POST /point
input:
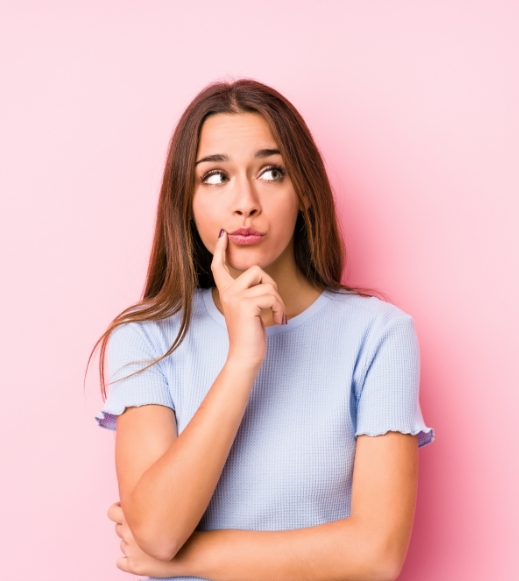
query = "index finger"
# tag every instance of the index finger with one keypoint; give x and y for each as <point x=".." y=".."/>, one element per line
<point x="221" y="274"/>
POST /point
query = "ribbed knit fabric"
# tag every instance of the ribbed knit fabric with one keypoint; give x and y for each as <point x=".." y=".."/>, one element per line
<point x="346" y="366"/>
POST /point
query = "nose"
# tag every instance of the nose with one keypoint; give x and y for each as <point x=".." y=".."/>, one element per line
<point x="246" y="202"/>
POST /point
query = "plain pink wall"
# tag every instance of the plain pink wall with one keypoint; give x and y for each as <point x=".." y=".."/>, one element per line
<point x="414" y="106"/>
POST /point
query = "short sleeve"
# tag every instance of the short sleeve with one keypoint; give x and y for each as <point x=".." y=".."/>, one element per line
<point x="388" y="393"/>
<point x="129" y="349"/>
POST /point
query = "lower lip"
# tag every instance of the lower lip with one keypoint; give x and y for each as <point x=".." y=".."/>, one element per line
<point x="239" y="239"/>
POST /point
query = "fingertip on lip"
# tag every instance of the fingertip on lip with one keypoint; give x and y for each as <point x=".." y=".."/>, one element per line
<point x="221" y="233"/>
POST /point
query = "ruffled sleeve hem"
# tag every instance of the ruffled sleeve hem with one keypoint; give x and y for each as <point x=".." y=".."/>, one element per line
<point x="136" y="378"/>
<point x="425" y="435"/>
<point x="107" y="416"/>
<point x="107" y="419"/>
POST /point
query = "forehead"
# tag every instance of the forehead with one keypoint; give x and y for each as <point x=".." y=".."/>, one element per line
<point x="228" y="133"/>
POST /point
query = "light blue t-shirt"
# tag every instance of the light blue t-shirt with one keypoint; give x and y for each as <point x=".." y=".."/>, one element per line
<point x="347" y="365"/>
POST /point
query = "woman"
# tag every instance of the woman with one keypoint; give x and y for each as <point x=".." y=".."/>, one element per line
<point x="267" y="416"/>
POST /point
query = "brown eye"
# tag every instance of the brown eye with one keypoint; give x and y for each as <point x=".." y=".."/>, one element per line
<point x="273" y="174"/>
<point x="215" y="178"/>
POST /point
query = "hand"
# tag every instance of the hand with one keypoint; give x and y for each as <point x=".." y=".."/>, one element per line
<point x="242" y="301"/>
<point x="135" y="560"/>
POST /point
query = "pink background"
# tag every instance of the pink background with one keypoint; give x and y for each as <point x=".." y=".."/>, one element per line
<point x="415" y="108"/>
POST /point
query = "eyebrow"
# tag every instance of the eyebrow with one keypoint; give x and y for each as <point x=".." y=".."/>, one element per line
<point x="260" y="154"/>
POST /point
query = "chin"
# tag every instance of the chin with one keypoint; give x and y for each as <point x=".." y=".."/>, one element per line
<point x="244" y="260"/>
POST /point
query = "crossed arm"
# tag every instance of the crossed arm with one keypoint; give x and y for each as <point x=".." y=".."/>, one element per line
<point x="166" y="482"/>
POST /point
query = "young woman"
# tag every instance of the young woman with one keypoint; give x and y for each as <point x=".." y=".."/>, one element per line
<point x="267" y="416"/>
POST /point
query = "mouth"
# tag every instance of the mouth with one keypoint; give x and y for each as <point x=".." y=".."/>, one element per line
<point x="245" y="236"/>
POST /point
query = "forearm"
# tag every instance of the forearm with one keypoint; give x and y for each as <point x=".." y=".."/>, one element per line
<point x="172" y="495"/>
<point x="344" y="550"/>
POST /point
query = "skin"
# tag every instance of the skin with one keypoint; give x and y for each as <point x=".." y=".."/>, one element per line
<point x="166" y="480"/>
<point x="249" y="194"/>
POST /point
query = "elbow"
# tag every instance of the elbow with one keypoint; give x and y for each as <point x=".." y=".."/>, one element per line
<point x="387" y="572"/>
<point x="385" y="565"/>
<point x="161" y="552"/>
<point x="381" y="571"/>
<point x="158" y="548"/>
<point x="153" y="535"/>
<point x="156" y="544"/>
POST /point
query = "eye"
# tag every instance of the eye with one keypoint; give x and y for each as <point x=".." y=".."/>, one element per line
<point x="215" y="177"/>
<point x="274" y="173"/>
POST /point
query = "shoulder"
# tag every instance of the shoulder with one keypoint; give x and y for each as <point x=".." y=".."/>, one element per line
<point x="363" y="324"/>
<point x="367" y="311"/>
<point x="157" y="335"/>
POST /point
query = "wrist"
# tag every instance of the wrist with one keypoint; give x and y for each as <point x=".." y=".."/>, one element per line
<point x="246" y="367"/>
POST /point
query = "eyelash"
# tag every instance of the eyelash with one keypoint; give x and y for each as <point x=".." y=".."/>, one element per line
<point x="278" y="168"/>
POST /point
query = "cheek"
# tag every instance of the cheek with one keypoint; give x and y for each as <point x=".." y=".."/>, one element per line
<point x="284" y="218"/>
<point x="206" y="218"/>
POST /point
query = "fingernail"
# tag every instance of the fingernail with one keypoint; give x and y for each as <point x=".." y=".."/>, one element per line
<point x="221" y="233"/>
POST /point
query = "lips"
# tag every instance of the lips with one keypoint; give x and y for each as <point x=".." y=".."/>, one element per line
<point x="244" y="236"/>
<point x="246" y="232"/>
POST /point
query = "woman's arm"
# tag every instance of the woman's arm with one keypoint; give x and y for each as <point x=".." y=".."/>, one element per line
<point x="370" y="545"/>
<point x="165" y="481"/>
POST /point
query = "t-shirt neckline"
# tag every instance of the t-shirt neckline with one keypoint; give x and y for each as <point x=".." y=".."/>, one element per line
<point x="292" y="323"/>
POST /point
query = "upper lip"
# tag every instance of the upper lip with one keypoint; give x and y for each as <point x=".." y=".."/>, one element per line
<point x="247" y="232"/>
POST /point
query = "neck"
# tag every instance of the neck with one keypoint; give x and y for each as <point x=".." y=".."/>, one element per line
<point x="295" y="290"/>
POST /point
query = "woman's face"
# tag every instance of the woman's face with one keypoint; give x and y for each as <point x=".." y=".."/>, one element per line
<point x="241" y="183"/>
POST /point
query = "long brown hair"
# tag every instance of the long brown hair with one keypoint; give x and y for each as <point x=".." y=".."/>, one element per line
<point x="179" y="261"/>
